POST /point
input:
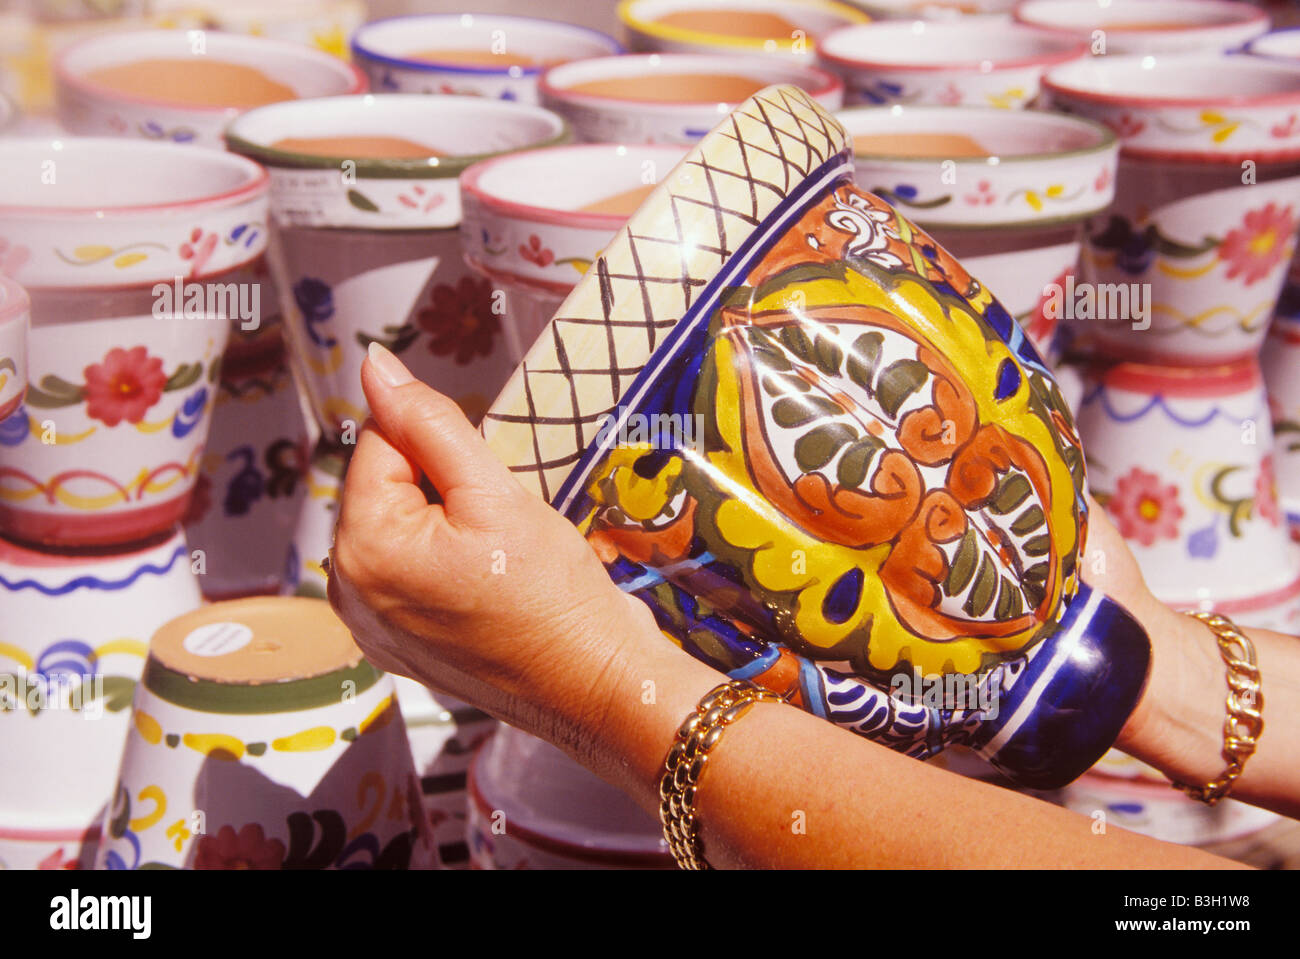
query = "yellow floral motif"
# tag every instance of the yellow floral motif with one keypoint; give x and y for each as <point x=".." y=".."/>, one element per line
<point x="332" y="40"/>
<point x="178" y="833"/>
<point x="1224" y="127"/>
<point x="159" y="798"/>
<point x="1007" y="99"/>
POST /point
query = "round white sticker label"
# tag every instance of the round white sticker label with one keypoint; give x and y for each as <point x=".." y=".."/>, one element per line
<point x="218" y="639"/>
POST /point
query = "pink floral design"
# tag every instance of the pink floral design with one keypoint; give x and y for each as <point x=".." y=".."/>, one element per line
<point x="1266" y="493"/>
<point x="950" y="96"/>
<point x="460" y="319"/>
<point x="1253" y="250"/>
<point x="1103" y="180"/>
<point x="12" y="257"/>
<point x="1127" y="125"/>
<point x="56" y="860"/>
<point x="983" y="195"/>
<point x="247" y="849"/>
<point x="420" y="199"/>
<point x="1289" y="129"/>
<point x="534" y="252"/>
<point x="123" y="385"/>
<point x="198" y="250"/>
<point x="1145" y="509"/>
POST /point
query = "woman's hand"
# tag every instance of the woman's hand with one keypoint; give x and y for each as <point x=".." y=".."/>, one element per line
<point x="490" y="595"/>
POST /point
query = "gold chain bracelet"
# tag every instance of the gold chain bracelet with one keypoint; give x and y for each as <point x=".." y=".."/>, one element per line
<point x="1245" y="704"/>
<point x="687" y="758"/>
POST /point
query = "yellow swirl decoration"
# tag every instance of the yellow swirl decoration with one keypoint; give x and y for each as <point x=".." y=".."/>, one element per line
<point x="308" y="741"/>
<point x="146" y="483"/>
<point x="334" y="360"/>
<point x="126" y="646"/>
<point x="18" y="655"/>
<point x="1180" y="273"/>
<point x="215" y="745"/>
<point x="150" y="729"/>
<point x="1248" y="321"/>
<point x="159" y="810"/>
<point x="57" y="438"/>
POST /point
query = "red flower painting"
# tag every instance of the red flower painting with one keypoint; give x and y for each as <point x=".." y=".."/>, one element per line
<point x="1266" y="494"/>
<point x="460" y="319"/>
<point x="123" y="385"/>
<point x="1145" y="509"/>
<point x="247" y="849"/>
<point x="1259" y="245"/>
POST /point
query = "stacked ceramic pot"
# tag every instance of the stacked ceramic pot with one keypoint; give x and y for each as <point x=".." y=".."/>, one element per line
<point x="185" y="87"/>
<point x="367" y="209"/>
<point x="1179" y="282"/>
<point x="99" y="462"/>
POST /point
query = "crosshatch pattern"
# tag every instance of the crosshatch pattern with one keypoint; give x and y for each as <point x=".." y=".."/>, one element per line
<point x="648" y="277"/>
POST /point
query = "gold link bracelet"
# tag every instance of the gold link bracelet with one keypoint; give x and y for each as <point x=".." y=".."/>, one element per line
<point x="1245" y="705"/>
<point x="687" y="759"/>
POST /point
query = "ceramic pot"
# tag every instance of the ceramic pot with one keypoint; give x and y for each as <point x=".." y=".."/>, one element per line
<point x="313" y="536"/>
<point x="1148" y="26"/>
<point x="1182" y="459"/>
<point x="262" y="740"/>
<point x="76" y="634"/>
<point x="787" y="28"/>
<point x="1281" y="362"/>
<point x="106" y="448"/>
<point x="1011" y="208"/>
<point x="668" y="98"/>
<point x="323" y="24"/>
<point x="253" y="482"/>
<point x="118" y="213"/>
<point x="90" y="105"/>
<point x="470" y="54"/>
<point x="532" y="807"/>
<point x="377" y="256"/>
<point x="707" y="441"/>
<point x="1206" y="203"/>
<point x="534" y="221"/>
<point x="1278" y="44"/>
<point x="15" y="315"/>
<point x="936" y="9"/>
<point x="981" y="63"/>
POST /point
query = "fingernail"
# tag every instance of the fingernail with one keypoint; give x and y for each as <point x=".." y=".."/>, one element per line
<point x="390" y="369"/>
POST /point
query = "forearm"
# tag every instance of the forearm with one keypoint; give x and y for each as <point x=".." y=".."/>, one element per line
<point x="785" y="788"/>
<point x="1178" y="726"/>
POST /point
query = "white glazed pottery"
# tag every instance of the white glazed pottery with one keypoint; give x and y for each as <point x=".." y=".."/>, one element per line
<point x="390" y="52"/>
<point x="527" y="228"/>
<point x="633" y="107"/>
<point x="532" y="807"/>
<point x="313" y="536"/>
<point x="107" y="213"/>
<point x="1148" y="26"/>
<point x="261" y="739"/>
<point x="1207" y="199"/>
<point x="15" y="315"/>
<point x="88" y="108"/>
<point x="1279" y="44"/>
<point x="323" y="24"/>
<point x="1182" y="459"/>
<point x="76" y="634"/>
<point x="936" y="9"/>
<point x="106" y="447"/>
<point x="252" y="485"/>
<point x="955" y="63"/>
<point x="376" y="256"/>
<point x="786" y="28"/>
<point x="1013" y="216"/>
<point x="1281" y="363"/>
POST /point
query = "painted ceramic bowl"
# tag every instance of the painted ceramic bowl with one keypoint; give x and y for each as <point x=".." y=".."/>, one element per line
<point x="470" y="54"/>
<point x="1279" y="44"/>
<point x="1148" y="26"/>
<point x="1182" y="459"/>
<point x="981" y="63"/>
<point x="535" y="221"/>
<point x="323" y="24"/>
<point x="106" y="447"/>
<point x="15" y="315"/>
<point x="760" y="350"/>
<point x="1007" y="194"/>
<point x="252" y="484"/>
<point x="532" y="807"/>
<point x="789" y="28"/>
<point x="935" y="9"/>
<point x="116" y="213"/>
<point x="1207" y="200"/>
<point x="184" y="86"/>
<point x="375" y="254"/>
<point x="667" y="97"/>
<point x="261" y="739"/>
<point x="76" y="632"/>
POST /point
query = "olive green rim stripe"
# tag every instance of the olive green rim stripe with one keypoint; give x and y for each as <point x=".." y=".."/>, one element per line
<point x="212" y="697"/>
<point x="379" y="168"/>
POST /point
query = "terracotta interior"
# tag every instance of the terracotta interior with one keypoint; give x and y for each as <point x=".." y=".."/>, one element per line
<point x="673" y="87"/>
<point x="918" y="145"/>
<point x="358" y="147"/>
<point x="197" y="81"/>
<point x="622" y="204"/>
<point x="473" y="57"/>
<point x="291" y="638"/>
<point x="737" y="22"/>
